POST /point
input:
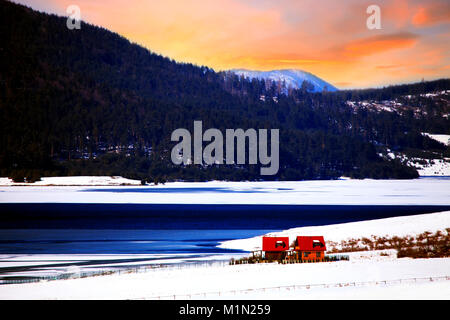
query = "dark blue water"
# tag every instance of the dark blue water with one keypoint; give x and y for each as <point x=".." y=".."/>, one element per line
<point x="154" y="228"/>
<point x="82" y="241"/>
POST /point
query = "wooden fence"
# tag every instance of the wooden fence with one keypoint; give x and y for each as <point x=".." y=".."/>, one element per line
<point x="227" y="293"/>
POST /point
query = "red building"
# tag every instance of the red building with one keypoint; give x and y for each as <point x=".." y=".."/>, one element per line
<point x="275" y="248"/>
<point x="310" y="248"/>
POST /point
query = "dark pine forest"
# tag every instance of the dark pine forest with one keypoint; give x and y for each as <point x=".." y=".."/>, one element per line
<point x="90" y="102"/>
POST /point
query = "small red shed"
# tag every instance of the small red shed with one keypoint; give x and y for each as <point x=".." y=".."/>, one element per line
<point x="310" y="248"/>
<point x="275" y="248"/>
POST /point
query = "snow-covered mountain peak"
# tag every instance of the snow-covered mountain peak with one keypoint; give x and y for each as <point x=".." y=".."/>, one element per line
<point x="292" y="77"/>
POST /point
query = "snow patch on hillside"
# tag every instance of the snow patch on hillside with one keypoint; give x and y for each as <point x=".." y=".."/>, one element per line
<point x="425" y="167"/>
<point x="442" y="138"/>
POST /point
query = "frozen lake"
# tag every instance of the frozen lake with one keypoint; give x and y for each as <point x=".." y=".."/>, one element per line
<point x="186" y="220"/>
<point x="424" y="191"/>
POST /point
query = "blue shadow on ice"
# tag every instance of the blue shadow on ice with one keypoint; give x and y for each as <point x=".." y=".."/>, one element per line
<point x="185" y="190"/>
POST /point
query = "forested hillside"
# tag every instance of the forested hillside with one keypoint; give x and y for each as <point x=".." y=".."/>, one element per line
<point x="89" y="102"/>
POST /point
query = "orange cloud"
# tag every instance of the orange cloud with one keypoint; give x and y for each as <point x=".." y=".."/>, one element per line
<point x="327" y="38"/>
<point x="342" y="84"/>
<point x="389" y="67"/>
<point x="377" y="44"/>
<point x="432" y="14"/>
<point x="421" y="17"/>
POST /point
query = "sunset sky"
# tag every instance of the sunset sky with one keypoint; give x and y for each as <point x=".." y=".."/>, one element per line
<point x="327" y="38"/>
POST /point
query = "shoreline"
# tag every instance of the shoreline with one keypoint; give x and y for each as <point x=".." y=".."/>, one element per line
<point x="119" y="181"/>
<point x="394" y="226"/>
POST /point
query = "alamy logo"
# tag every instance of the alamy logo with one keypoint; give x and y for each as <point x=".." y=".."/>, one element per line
<point x="374" y="20"/>
<point x="74" y="18"/>
<point x="235" y="147"/>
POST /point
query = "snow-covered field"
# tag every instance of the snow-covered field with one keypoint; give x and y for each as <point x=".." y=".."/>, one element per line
<point x="424" y="191"/>
<point x="54" y="265"/>
<point x="357" y="279"/>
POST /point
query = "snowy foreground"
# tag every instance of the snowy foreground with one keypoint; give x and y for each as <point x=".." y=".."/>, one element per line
<point x="424" y="191"/>
<point x="374" y="278"/>
<point x="368" y="275"/>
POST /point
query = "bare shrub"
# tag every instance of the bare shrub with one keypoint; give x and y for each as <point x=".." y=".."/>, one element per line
<point x="424" y="245"/>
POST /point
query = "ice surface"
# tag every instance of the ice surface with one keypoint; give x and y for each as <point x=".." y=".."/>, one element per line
<point x="424" y="191"/>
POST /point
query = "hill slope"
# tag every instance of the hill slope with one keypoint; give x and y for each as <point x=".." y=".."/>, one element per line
<point x="89" y="102"/>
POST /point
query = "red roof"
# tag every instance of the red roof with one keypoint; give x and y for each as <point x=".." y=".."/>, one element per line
<point x="275" y="244"/>
<point x="313" y="243"/>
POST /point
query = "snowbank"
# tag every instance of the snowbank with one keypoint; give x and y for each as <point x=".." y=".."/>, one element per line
<point x="74" y="181"/>
<point x="397" y="226"/>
